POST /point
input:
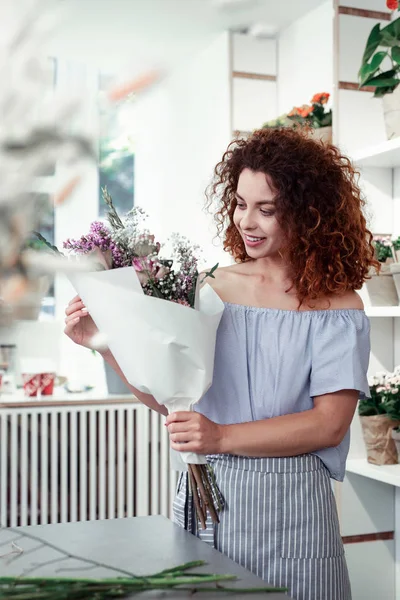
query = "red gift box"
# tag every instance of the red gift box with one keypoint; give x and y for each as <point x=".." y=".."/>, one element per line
<point x="32" y="383"/>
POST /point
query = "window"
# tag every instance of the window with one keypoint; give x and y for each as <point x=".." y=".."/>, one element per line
<point x="116" y="155"/>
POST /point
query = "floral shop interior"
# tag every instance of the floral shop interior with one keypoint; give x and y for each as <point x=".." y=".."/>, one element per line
<point x="160" y="88"/>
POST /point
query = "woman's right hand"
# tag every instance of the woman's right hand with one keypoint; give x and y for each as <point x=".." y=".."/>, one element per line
<point x="80" y="327"/>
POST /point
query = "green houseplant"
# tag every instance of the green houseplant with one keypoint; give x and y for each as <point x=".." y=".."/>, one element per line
<point x="380" y="68"/>
<point x="379" y="416"/>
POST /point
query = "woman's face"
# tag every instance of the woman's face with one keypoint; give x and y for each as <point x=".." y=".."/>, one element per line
<point x="255" y="215"/>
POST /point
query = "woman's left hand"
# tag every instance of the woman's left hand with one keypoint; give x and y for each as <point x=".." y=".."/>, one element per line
<point x="193" y="432"/>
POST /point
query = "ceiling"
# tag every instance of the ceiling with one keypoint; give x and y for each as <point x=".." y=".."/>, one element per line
<point x="146" y="33"/>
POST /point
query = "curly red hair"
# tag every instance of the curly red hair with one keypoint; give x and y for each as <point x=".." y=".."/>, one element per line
<point x="318" y="205"/>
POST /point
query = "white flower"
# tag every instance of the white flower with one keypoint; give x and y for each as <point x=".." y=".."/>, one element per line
<point x="395" y="390"/>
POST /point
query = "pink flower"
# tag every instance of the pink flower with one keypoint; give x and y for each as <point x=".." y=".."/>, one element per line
<point x="162" y="272"/>
<point x="142" y="267"/>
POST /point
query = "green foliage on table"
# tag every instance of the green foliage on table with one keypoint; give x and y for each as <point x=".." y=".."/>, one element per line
<point x="382" y="48"/>
<point x="72" y="588"/>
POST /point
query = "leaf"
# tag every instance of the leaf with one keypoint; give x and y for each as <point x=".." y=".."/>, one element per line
<point x="368" y="69"/>
<point x="380" y="92"/>
<point x="396" y="54"/>
<point x="390" y="35"/>
<point x="373" y="42"/>
<point x="385" y="79"/>
<point x="210" y="273"/>
<point x="46" y="243"/>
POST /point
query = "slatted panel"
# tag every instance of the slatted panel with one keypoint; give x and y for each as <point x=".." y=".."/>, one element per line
<point x="83" y="463"/>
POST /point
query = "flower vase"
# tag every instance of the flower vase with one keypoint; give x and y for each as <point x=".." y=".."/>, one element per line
<point x="396" y="438"/>
<point x="379" y="443"/>
<point x="391" y="113"/>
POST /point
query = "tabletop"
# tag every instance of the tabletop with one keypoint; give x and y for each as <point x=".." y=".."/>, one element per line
<point x="138" y="545"/>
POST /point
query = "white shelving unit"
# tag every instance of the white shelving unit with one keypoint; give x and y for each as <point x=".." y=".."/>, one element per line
<point x="369" y="498"/>
<point x="382" y="311"/>
<point x="389" y="474"/>
<point x="386" y="154"/>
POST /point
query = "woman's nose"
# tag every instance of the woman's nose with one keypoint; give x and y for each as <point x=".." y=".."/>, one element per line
<point x="248" y="221"/>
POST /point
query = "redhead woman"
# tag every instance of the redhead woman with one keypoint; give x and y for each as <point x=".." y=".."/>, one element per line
<point x="291" y="360"/>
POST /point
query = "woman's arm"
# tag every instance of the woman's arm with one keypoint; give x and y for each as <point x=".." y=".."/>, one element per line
<point x="323" y="426"/>
<point x="146" y="399"/>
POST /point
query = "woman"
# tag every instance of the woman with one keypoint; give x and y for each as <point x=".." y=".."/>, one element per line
<point x="291" y="360"/>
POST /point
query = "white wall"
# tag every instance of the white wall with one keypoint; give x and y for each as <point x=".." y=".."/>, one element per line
<point x="254" y="101"/>
<point x="305" y="58"/>
<point x="359" y="119"/>
<point x="181" y="129"/>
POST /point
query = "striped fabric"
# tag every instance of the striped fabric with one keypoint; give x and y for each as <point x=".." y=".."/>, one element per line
<point x="279" y="521"/>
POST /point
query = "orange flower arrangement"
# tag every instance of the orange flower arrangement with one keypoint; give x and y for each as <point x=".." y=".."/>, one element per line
<point x="314" y="113"/>
<point x="321" y="98"/>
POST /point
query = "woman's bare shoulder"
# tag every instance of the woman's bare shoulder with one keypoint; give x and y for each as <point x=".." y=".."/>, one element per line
<point x="221" y="277"/>
<point x="348" y="300"/>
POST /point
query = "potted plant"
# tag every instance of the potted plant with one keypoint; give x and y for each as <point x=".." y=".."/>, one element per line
<point x="379" y="415"/>
<point x="316" y="116"/>
<point x="380" y="68"/>
<point x="380" y="285"/>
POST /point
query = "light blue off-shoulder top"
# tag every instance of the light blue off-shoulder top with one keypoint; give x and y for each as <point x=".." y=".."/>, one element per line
<point x="271" y="362"/>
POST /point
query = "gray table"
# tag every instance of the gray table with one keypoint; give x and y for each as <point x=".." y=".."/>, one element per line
<point x="141" y="545"/>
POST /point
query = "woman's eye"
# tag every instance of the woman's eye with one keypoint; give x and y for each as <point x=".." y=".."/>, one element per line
<point x="240" y="206"/>
<point x="267" y="213"/>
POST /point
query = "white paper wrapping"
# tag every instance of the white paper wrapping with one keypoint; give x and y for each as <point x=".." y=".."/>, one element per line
<point x="163" y="348"/>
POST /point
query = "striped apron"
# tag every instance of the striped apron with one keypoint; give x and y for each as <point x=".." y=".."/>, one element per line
<point x="279" y="521"/>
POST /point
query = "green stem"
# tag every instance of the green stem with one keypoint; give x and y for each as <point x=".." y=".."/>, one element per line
<point x="118" y="581"/>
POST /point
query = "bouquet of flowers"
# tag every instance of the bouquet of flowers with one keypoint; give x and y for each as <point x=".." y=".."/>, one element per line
<point x="159" y="325"/>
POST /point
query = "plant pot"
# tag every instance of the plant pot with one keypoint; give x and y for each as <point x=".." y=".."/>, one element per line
<point x="396" y="439"/>
<point x="381" y="288"/>
<point x="115" y="385"/>
<point x="380" y="446"/>
<point x="322" y="133"/>
<point x="391" y="113"/>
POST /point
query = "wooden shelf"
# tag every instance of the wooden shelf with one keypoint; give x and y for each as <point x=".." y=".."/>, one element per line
<point x="389" y="474"/>
<point x="386" y="154"/>
<point x="382" y="311"/>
